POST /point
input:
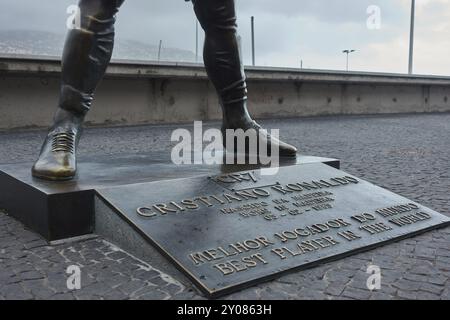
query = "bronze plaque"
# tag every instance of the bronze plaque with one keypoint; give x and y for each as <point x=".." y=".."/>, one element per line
<point x="230" y="231"/>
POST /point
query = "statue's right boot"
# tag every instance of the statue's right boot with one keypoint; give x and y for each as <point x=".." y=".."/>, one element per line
<point x="57" y="160"/>
<point x="86" y="55"/>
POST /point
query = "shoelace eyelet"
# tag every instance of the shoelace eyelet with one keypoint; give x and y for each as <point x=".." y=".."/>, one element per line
<point x="63" y="142"/>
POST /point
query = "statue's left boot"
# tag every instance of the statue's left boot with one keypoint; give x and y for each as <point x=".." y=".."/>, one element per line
<point x="225" y="70"/>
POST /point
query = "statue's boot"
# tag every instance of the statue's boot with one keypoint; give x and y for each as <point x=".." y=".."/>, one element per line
<point x="236" y="116"/>
<point x="85" y="58"/>
<point x="224" y="66"/>
<point x="57" y="160"/>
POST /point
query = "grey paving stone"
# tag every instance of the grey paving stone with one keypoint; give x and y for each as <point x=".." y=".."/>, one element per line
<point x="131" y="287"/>
<point x="246" y="294"/>
<point x="443" y="252"/>
<point x="151" y="293"/>
<point x="35" y="244"/>
<point x="407" y="295"/>
<point x="269" y="294"/>
<point x="23" y="268"/>
<point x="15" y="292"/>
<point x="437" y="279"/>
<point x="427" y="296"/>
<point x="98" y="288"/>
<point x="335" y="289"/>
<point x="407" y="285"/>
<point x="189" y="295"/>
<point x="115" y="280"/>
<point x="309" y="294"/>
<point x="144" y="274"/>
<point x="63" y="296"/>
<point x="157" y="281"/>
<point x="31" y="275"/>
<point x="115" y="295"/>
<point x="431" y="288"/>
<point x="39" y="289"/>
<point x="381" y="296"/>
<point x="58" y="282"/>
<point x="416" y="277"/>
<point x="355" y="293"/>
<point x="117" y="255"/>
<point x="172" y="289"/>
<point x="446" y="294"/>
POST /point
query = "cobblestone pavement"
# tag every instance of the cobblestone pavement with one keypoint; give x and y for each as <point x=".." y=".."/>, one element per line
<point x="408" y="154"/>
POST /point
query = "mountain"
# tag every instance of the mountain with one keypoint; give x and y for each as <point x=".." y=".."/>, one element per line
<point x="50" y="44"/>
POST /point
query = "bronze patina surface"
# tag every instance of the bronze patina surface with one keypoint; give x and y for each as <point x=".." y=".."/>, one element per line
<point x="87" y="53"/>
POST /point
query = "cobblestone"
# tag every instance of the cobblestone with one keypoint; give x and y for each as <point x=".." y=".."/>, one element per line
<point x="354" y="293"/>
<point x="391" y="151"/>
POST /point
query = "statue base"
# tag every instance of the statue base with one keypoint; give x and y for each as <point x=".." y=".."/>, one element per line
<point x="61" y="210"/>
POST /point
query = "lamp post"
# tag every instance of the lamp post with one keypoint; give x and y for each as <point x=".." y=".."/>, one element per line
<point x="253" y="41"/>
<point x="159" y="50"/>
<point x="348" y="51"/>
<point x="411" y="37"/>
<point x="196" y="41"/>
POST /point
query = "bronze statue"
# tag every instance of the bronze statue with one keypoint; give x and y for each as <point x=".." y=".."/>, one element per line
<point x="87" y="53"/>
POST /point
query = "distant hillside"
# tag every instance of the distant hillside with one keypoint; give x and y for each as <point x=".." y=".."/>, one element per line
<point x="46" y="43"/>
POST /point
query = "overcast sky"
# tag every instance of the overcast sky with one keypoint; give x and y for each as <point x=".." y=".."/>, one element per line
<point x="287" y="31"/>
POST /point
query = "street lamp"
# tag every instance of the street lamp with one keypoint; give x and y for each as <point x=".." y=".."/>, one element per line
<point x="348" y="51"/>
<point x="196" y="41"/>
<point x="411" y="37"/>
<point x="253" y="41"/>
<point x="159" y="50"/>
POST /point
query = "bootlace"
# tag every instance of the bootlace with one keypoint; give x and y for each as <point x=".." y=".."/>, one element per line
<point x="63" y="142"/>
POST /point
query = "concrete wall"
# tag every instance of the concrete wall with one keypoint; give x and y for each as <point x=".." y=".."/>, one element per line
<point x="139" y="93"/>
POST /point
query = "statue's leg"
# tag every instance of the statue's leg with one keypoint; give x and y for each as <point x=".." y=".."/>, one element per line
<point x="86" y="55"/>
<point x="224" y="66"/>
